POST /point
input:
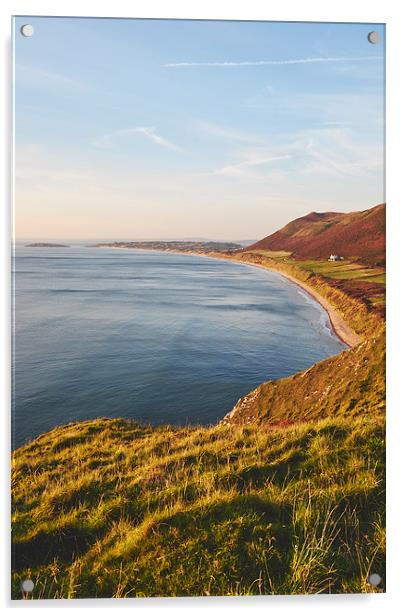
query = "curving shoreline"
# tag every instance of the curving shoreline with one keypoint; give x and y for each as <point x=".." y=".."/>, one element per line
<point x="339" y="326"/>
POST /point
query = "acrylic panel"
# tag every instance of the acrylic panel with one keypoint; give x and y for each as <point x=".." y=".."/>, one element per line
<point x="198" y="398"/>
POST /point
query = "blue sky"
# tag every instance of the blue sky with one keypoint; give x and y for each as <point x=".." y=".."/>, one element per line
<point x="226" y="130"/>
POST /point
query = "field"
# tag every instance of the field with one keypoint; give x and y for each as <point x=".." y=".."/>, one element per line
<point x="344" y="270"/>
<point x="338" y="270"/>
<point x="109" y="508"/>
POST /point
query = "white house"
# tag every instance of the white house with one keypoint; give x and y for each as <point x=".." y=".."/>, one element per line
<point x="335" y="258"/>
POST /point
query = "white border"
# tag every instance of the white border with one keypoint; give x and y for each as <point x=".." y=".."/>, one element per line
<point x="388" y="11"/>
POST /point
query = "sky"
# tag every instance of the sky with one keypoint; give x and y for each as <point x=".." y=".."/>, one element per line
<point x="148" y="129"/>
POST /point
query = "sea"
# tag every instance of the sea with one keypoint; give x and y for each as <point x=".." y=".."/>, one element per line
<point x="157" y="337"/>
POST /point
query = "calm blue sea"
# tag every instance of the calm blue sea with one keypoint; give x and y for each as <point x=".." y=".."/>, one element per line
<point x="156" y="337"/>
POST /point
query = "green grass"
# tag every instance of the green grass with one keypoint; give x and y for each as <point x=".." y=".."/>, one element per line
<point x="344" y="270"/>
<point x="108" y="508"/>
<point x="274" y="254"/>
<point x="337" y="270"/>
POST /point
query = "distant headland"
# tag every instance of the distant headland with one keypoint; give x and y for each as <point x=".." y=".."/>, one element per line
<point x="46" y="245"/>
<point x="179" y="246"/>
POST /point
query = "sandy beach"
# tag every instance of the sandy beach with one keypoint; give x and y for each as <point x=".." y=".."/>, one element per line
<point x="338" y="323"/>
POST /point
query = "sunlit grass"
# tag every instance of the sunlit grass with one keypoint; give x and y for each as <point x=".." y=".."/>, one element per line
<point x="344" y="270"/>
<point x="110" y="508"/>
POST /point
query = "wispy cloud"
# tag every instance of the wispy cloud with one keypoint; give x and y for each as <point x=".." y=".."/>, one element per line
<point x="105" y="141"/>
<point x="245" y="167"/>
<point x="273" y="62"/>
<point x="339" y="152"/>
<point x="328" y="151"/>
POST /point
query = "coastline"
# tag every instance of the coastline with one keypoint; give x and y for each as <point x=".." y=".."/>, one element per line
<point x="339" y="326"/>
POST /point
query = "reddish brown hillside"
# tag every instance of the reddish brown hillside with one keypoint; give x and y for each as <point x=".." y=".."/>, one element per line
<point x="356" y="234"/>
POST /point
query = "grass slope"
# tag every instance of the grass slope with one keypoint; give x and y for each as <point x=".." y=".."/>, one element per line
<point x="349" y="384"/>
<point x="108" y="508"/>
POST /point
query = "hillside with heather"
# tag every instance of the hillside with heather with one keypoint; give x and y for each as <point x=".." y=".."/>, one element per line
<point x="356" y="235"/>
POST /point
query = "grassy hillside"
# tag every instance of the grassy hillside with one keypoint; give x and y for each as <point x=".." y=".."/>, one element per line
<point x="347" y="385"/>
<point x="356" y="235"/>
<point x="108" y="508"/>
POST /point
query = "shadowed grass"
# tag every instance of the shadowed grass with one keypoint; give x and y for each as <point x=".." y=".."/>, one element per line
<point x="108" y="508"/>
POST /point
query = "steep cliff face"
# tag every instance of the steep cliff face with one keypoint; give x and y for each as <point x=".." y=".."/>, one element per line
<point x="351" y="383"/>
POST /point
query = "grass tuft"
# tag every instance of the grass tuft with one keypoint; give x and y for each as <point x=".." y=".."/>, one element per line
<point x="111" y="509"/>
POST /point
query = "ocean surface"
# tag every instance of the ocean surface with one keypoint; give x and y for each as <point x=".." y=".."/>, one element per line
<point x="152" y="336"/>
